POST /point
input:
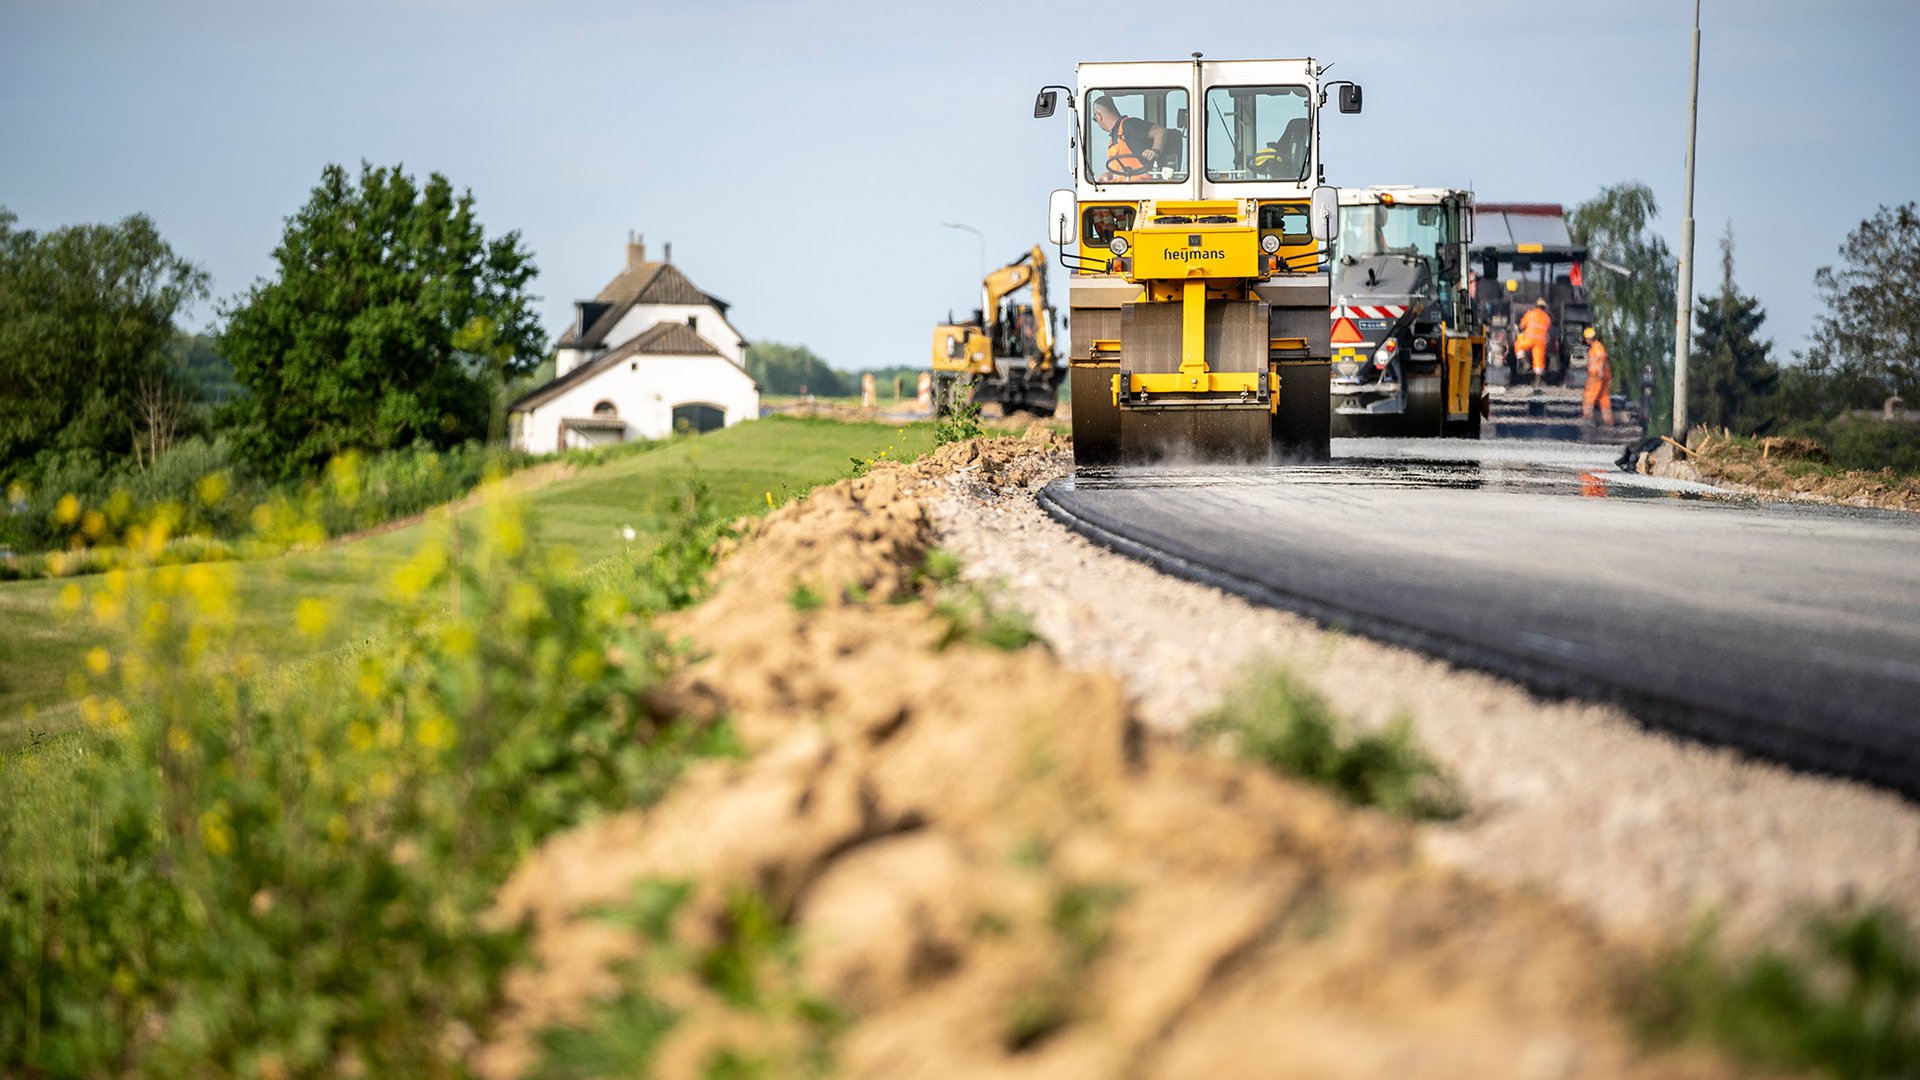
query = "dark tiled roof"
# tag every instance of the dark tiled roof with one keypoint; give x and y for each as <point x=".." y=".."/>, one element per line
<point x="661" y="339"/>
<point x="641" y="283"/>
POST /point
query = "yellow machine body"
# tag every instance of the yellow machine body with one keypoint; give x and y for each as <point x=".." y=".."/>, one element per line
<point x="1198" y="290"/>
<point x="1009" y="354"/>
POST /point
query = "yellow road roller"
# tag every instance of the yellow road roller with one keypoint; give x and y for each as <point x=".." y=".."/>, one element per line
<point x="1198" y="286"/>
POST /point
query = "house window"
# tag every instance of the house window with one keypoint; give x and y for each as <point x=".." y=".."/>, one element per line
<point x="605" y="408"/>
<point x="693" y="322"/>
<point x="698" y="416"/>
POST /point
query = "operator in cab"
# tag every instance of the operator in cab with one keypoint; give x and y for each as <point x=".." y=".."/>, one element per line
<point x="1134" y="147"/>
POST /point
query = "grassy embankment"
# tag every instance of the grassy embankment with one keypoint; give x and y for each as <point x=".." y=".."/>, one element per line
<point x="270" y="847"/>
<point x="586" y="511"/>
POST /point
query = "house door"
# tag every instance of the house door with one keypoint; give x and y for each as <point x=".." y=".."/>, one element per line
<point x="697" y="417"/>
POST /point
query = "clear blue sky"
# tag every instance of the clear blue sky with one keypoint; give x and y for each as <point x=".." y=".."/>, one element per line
<point x="800" y="156"/>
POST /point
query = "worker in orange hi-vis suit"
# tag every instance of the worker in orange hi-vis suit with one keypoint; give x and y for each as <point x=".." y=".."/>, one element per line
<point x="1534" y="326"/>
<point x="1599" y="380"/>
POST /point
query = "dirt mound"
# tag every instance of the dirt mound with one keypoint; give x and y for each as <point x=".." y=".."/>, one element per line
<point x="1797" y="467"/>
<point x="986" y="864"/>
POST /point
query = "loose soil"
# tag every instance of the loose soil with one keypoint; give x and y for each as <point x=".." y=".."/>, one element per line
<point x="1644" y="833"/>
<point x="1791" y="467"/>
<point x="994" y="865"/>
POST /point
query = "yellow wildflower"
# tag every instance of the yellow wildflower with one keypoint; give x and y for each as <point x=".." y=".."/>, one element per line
<point x="311" y="616"/>
<point x="99" y="660"/>
<point x="71" y="598"/>
<point x="67" y="510"/>
<point x="212" y="488"/>
<point x="215" y="832"/>
<point x="434" y="733"/>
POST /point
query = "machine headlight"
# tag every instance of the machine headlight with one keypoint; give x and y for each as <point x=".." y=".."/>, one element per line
<point x="1270" y="243"/>
<point x="953" y="347"/>
<point x="1383" y="355"/>
<point x="1118" y="245"/>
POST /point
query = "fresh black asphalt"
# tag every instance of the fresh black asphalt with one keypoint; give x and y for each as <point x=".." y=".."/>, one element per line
<point x="1787" y="630"/>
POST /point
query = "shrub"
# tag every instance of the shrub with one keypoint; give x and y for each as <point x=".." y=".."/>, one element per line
<point x="1845" y="1002"/>
<point x="284" y="873"/>
<point x="1275" y="720"/>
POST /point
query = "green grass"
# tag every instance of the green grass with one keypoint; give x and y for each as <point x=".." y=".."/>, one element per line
<point x="744" y="468"/>
<point x="1273" y="719"/>
<point x="1845" y="1002"/>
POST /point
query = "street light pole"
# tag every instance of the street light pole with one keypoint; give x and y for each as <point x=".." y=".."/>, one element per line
<point x="1683" y="315"/>
<point x="985" y="315"/>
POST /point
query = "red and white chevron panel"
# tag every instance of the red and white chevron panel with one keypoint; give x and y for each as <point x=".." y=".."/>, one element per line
<point x="1368" y="311"/>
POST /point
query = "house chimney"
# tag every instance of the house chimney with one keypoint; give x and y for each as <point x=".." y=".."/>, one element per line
<point x="636" y="249"/>
<point x="669" y="255"/>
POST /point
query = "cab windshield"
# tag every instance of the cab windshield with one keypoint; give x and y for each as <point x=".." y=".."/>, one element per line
<point x="1258" y="133"/>
<point x="1136" y="135"/>
<point x="1389" y="230"/>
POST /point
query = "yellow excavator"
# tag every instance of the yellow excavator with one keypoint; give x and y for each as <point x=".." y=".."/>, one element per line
<point x="1006" y="354"/>
<point x="1199" y="291"/>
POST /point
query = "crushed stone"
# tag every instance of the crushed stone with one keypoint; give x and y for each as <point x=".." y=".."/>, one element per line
<point x="993" y="868"/>
<point x="1645" y="833"/>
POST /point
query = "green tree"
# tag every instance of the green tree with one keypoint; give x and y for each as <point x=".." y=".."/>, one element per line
<point x="205" y="374"/>
<point x="793" y="369"/>
<point x="86" y="315"/>
<point x="1866" y="345"/>
<point x="1733" y="381"/>
<point x="392" y="320"/>
<point x="1635" y="310"/>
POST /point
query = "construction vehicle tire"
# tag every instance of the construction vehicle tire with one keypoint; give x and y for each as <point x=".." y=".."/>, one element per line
<point x="1096" y="419"/>
<point x="1426" y="414"/>
<point x="1302" y="426"/>
<point x="1463" y="429"/>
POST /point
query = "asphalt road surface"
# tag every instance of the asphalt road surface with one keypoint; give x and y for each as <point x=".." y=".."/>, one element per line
<point x="1788" y="630"/>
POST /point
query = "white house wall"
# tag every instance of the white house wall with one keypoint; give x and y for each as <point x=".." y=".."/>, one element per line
<point x="644" y="391"/>
<point x="711" y="325"/>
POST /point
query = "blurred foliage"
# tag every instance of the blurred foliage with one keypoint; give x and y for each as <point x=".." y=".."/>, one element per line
<point x="1845" y="1002"/>
<point x="391" y="320"/>
<point x="1274" y="719"/>
<point x="86" y="317"/>
<point x="794" y="369"/>
<point x="240" y="870"/>
<point x="81" y="505"/>
<point x="749" y="969"/>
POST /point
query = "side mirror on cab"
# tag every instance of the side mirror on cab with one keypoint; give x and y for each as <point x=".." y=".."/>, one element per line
<point x="1044" y="104"/>
<point x="1350" y="98"/>
<point x="1323" y="213"/>
<point x="1063" y="209"/>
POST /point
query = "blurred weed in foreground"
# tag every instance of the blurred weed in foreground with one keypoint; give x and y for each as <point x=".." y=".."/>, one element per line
<point x="1845" y="1002"/>
<point x="284" y="872"/>
<point x="1274" y="719"/>
<point x="961" y="420"/>
<point x="749" y="968"/>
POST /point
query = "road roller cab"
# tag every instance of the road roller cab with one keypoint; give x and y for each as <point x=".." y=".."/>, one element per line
<point x="1198" y="285"/>
<point x="1409" y="356"/>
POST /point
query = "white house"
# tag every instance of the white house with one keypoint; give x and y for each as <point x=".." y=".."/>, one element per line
<point x="651" y="355"/>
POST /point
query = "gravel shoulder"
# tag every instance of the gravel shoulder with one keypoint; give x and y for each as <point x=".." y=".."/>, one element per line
<point x="1574" y="798"/>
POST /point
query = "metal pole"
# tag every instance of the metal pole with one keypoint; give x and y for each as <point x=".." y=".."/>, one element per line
<point x="1683" y="314"/>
